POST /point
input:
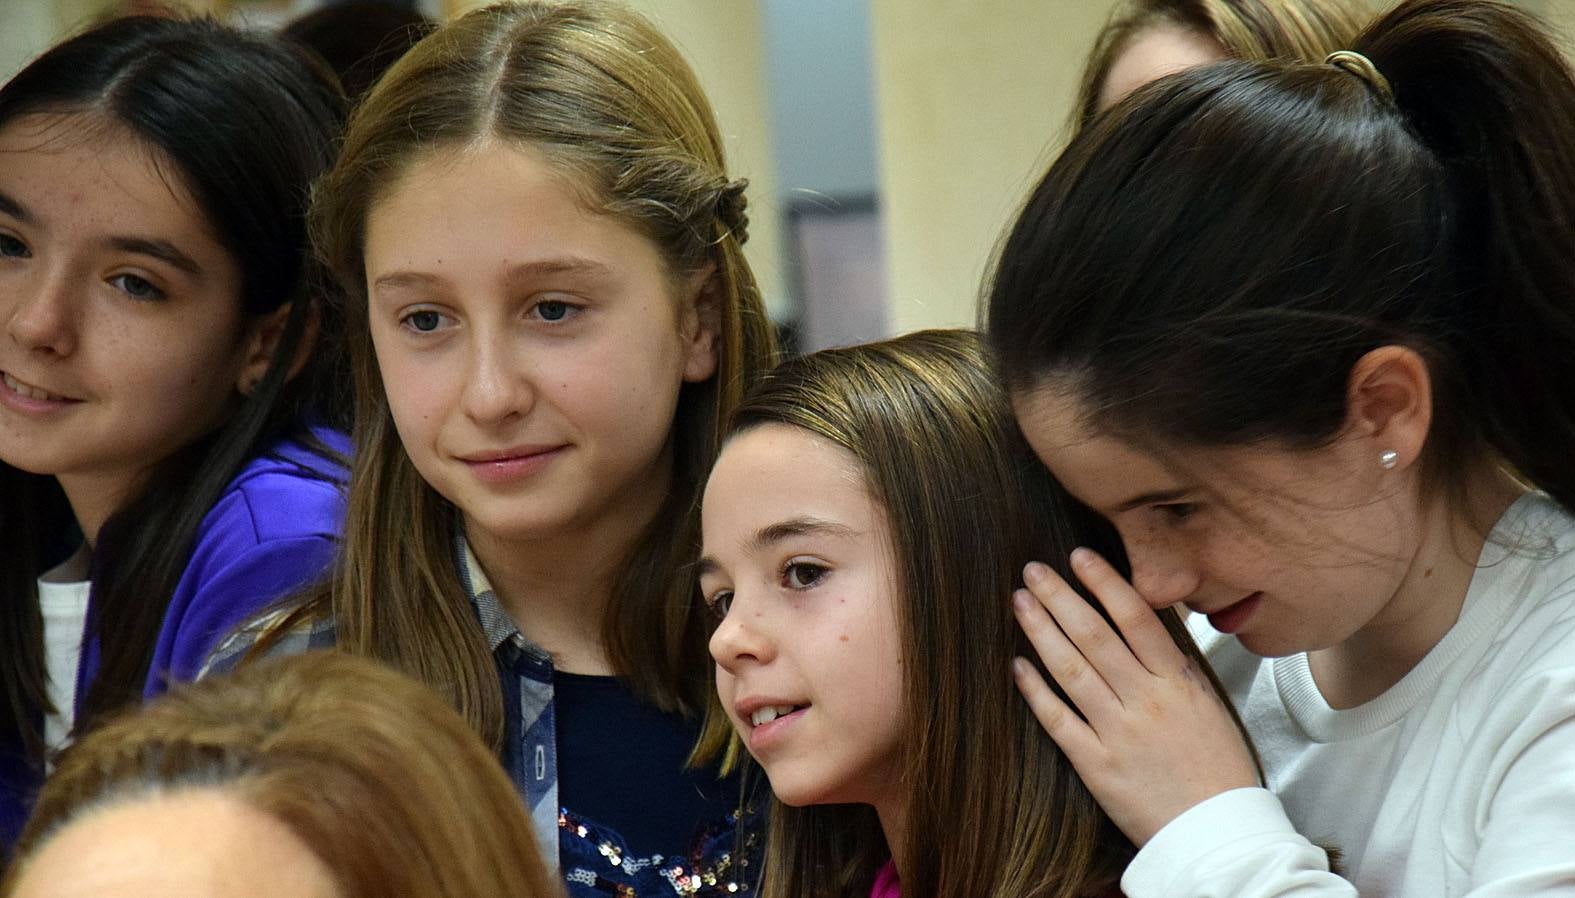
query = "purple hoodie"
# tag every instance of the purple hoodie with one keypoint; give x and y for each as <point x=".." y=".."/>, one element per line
<point x="273" y="530"/>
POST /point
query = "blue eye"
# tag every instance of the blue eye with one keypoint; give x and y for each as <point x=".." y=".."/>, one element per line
<point x="136" y="288"/>
<point x="12" y="248"/>
<point x="552" y="310"/>
<point x="423" y="321"/>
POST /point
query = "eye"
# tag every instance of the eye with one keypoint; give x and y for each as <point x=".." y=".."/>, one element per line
<point x="554" y="310"/>
<point x="803" y="574"/>
<point x="12" y="248"/>
<point x="136" y="287"/>
<point x="1177" y="511"/>
<point x="719" y="602"/>
<point x="423" y="321"/>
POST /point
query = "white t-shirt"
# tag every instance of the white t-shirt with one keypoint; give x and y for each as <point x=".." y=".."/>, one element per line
<point x="65" y="612"/>
<point x="1457" y="781"/>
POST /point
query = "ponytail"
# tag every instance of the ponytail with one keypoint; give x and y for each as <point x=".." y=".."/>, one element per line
<point x="1205" y="264"/>
<point x="1493" y="98"/>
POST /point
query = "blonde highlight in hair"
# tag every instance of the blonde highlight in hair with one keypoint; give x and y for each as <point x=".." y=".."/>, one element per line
<point x="1300" y="30"/>
<point x="613" y="106"/>
<point x="993" y="808"/>
<point x="372" y="772"/>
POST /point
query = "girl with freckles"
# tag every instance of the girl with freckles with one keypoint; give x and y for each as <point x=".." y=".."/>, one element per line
<point x="867" y="502"/>
<point x="1304" y="334"/>
<point x="550" y="316"/>
<point x="168" y="374"/>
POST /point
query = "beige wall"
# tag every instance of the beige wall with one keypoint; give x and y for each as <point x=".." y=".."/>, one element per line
<point x="973" y="97"/>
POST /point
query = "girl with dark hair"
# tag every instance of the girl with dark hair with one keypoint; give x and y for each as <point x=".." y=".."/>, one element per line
<point x="551" y="318"/>
<point x="164" y="472"/>
<point x="1306" y="335"/>
<point x="866" y="499"/>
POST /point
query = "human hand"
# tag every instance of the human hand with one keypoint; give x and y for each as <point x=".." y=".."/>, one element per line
<point x="1148" y="735"/>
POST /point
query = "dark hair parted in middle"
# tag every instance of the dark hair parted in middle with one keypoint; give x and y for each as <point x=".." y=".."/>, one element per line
<point x="1205" y="265"/>
<point x="994" y="807"/>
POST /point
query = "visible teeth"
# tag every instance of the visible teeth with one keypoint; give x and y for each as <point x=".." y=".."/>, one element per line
<point x="30" y="392"/>
<point x="766" y="715"/>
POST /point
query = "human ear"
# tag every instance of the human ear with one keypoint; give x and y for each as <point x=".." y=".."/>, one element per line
<point x="1389" y="402"/>
<point x="261" y="344"/>
<point x="700" y="324"/>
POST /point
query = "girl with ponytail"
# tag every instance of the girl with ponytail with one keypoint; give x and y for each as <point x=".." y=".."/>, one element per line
<point x="1305" y="334"/>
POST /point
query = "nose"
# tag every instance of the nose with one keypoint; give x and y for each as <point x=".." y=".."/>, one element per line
<point x="42" y="316"/>
<point x="1163" y="572"/>
<point x="497" y="386"/>
<point x="741" y="639"/>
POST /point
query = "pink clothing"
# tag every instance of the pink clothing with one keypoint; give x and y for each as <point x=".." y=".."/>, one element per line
<point x="886" y="884"/>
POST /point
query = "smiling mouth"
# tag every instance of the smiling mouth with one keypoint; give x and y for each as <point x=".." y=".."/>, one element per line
<point x="22" y="388"/>
<point x="763" y="716"/>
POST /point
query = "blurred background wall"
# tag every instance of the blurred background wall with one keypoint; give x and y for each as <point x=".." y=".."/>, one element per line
<point x="887" y="142"/>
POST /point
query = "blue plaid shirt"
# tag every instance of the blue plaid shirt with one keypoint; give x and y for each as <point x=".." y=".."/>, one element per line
<point x="595" y="860"/>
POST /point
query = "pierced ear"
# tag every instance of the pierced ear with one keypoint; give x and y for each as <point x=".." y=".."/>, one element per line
<point x="262" y="344"/>
<point x="701" y="324"/>
<point x="1389" y="402"/>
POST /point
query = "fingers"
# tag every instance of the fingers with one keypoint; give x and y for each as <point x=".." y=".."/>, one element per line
<point x="1079" y="679"/>
<point x="1146" y="637"/>
<point x="1086" y="629"/>
<point x="1076" y="739"/>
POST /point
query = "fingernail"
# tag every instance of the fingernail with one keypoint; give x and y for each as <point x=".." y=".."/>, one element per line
<point x="1020" y="667"/>
<point x="1035" y="572"/>
<point x="1021" y="600"/>
<point x="1082" y="557"/>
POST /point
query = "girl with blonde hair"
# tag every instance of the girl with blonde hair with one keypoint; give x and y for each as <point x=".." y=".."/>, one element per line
<point x="550" y="317"/>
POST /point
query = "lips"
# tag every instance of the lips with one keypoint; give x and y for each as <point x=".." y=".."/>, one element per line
<point x="1232" y="617"/>
<point x="30" y="391"/>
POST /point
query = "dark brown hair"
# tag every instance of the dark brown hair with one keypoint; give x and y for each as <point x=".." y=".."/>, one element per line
<point x="374" y="773"/>
<point x="611" y="102"/>
<point x="244" y="122"/>
<point x="995" y="810"/>
<point x="1205" y="265"/>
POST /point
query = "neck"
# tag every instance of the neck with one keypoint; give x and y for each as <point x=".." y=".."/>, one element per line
<point x="95" y="497"/>
<point x="893" y="814"/>
<point x="558" y="587"/>
<point x="1428" y="602"/>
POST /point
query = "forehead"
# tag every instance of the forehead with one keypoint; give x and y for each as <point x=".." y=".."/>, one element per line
<point x="1099" y="469"/>
<point x="773" y="472"/>
<point x="97" y="172"/>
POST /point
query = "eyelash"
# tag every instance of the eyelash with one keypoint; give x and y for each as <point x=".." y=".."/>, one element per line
<point x="720" y="601"/>
<point x="7" y="242"/>
<point x="153" y="293"/>
<point x="406" y="321"/>
<point x="1178" y="511"/>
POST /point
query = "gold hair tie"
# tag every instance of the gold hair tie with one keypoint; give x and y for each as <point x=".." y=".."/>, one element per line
<point x="1363" y="68"/>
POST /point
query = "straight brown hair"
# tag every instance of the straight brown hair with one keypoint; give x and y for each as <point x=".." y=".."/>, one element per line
<point x="1304" y="30"/>
<point x="611" y="102"/>
<point x="995" y="810"/>
<point x="374" y="773"/>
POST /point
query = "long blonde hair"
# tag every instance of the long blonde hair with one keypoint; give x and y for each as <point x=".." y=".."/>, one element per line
<point x="609" y="101"/>
<point x="374" y="773"/>
<point x="1303" y="30"/>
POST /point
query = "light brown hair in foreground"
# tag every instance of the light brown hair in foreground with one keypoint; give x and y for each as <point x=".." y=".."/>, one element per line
<point x="612" y="104"/>
<point x="1298" y="30"/>
<point x="369" y="769"/>
<point x="995" y="810"/>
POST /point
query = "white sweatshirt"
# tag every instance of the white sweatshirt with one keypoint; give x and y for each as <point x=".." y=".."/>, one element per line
<point x="1459" y="780"/>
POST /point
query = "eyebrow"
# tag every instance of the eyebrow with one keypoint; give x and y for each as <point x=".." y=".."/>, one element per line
<point x="1156" y="497"/>
<point x="158" y="249"/>
<point x="564" y="265"/>
<point x="11" y="207"/>
<point x="772" y="534"/>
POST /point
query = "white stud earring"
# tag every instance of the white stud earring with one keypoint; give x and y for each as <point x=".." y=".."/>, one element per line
<point x="1388" y="459"/>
